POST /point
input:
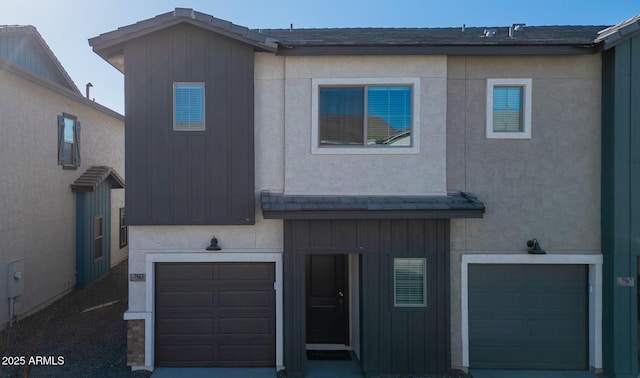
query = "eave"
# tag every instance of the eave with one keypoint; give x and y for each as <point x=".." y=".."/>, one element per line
<point x="456" y="205"/>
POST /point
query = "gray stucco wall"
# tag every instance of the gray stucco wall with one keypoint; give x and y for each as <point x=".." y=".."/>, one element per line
<point x="546" y="187"/>
<point x="37" y="206"/>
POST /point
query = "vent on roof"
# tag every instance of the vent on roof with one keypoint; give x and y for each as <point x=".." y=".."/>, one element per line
<point x="488" y="33"/>
<point x="515" y="28"/>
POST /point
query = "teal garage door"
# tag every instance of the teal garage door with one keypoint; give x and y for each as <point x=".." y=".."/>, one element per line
<point x="531" y="317"/>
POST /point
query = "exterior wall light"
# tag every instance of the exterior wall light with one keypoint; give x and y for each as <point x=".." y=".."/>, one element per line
<point x="534" y="248"/>
<point x="214" y="245"/>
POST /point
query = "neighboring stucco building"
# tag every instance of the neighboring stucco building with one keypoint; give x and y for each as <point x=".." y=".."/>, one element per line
<point x="50" y="137"/>
<point x="280" y="144"/>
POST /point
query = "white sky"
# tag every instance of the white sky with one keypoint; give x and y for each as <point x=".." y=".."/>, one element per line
<point x="66" y="25"/>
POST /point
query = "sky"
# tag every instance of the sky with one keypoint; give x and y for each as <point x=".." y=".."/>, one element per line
<point x="66" y="25"/>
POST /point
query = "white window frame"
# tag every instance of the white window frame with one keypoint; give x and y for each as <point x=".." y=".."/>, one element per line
<point x="526" y="108"/>
<point x="316" y="83"/>
<point x="424" y="282"/>
<point x="196" y="127"/>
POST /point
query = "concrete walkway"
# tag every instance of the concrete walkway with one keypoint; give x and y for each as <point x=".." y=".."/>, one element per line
<point x="214" y="373"/>
<point x="314" y="369"/>
<point x="478" y="373"/>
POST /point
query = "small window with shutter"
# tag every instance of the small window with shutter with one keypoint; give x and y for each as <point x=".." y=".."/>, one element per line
<point x="508" y="108"/>
<point x="68" y="141"/>
<point x="409" y="276"/>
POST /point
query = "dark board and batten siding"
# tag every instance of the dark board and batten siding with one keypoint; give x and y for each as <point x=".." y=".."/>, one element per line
<point x="620" y="208"/>
<point x="394" y="340"/>
<point x="189" y="177"/>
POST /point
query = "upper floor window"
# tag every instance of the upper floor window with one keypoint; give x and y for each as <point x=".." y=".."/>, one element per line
<point x="509" y="108"/>
<point x="365" y="116"/>
<point x="68" y="141"/>
<point x="188" y="107"/>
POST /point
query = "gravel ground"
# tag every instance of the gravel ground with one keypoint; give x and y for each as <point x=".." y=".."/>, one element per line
<point x="91" y="340"/>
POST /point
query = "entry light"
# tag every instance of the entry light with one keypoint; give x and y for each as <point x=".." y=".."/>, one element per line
<point x="534" y="248"/>
<point x="214" y="245"/>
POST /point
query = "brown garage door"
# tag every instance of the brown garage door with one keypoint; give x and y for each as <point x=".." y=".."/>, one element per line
<point x="215" y="314"/>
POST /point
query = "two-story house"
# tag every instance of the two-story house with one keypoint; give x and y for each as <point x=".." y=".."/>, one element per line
<point x="370" y="190"/>
<point x="61" y="153"/>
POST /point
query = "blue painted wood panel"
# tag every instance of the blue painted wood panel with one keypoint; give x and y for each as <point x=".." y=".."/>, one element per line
<point x="25" y="51"/>
<point x="89" y="206"/>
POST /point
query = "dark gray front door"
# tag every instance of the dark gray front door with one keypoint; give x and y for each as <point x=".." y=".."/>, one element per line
<point x="528" y="316"/>
<point x="327" y="302"/>
<point x="215" y="314"/>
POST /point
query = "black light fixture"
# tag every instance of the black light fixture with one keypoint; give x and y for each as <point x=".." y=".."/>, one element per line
<point x="534" y="248"/>
<point x="214" y="245"/>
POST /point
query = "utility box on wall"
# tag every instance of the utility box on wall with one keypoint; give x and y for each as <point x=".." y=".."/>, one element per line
<point x="15" y="286"/>
<point x="15" y="278"/>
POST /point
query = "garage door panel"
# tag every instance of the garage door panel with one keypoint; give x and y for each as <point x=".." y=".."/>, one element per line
<point x="528" y="316"/>
<point x="248" y="299"/>
<point x="238" y="326"/>
<point x="252" y="272"/>
<point x="185" y="299"/>
<point x="187" y="326"/>
<point x="184" y="354"/>
<point x="234" y="355"/>
<point x="222" y="316"/>
<point x="184" y="272"/>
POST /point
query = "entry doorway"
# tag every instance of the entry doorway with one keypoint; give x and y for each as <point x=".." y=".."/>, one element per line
<point x="327" y="299"/>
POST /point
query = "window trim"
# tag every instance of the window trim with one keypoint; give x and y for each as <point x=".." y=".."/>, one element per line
<point x="526" y="108"/>
<point x="204" y="106"/>
<point x="424" y="283"/>
<point x="75" y="147"/>
<point x="123" y="228"/>
<point x="414" y="82"/>
<point x="100" y="238"/>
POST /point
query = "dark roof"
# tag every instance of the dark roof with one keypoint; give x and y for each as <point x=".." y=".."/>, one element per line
<point x="527" y="35"/>
<point x="456" y="205"/>
<point x="94" y="176"/>
<point x="619" y="33"/>
<point x="450" y="41"/>
<point x="545" y="40"/>
<point x="109" y="45"/>
<point x="28" y="31"/>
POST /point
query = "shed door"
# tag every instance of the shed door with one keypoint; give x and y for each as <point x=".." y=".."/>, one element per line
<point x="528" y="316"/>
<point x="215" y="314"/>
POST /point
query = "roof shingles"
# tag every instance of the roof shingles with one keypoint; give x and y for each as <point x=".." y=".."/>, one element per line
<point x="94" y="176"/>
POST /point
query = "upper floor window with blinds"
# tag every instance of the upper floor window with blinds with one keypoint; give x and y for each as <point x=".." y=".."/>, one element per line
<point x="365" y="116"/>
<point x="188" y="107"/>
<point x="509" y="108"/>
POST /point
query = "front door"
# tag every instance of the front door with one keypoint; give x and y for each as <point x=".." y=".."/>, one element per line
<point x="327" y="302"/>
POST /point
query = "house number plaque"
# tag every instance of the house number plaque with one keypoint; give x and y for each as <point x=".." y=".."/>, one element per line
<point x="137" y="277"/>
<point x="626" y="281"/>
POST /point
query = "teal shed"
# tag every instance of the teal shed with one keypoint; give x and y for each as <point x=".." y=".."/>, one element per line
<point x="93" y="222"/>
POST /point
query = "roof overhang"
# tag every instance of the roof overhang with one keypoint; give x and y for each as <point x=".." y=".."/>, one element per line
<point x="455" y="205"/>
<point x="94" y="176"/>
<point x="610" y="37"/>
<point x="453" y="49"/>
<point x="110" y="45"/>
